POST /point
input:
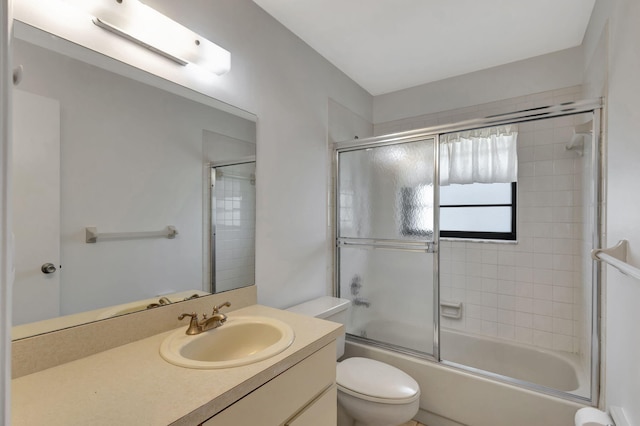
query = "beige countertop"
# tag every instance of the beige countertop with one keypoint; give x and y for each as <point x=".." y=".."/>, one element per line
<point x="133" y="385"/>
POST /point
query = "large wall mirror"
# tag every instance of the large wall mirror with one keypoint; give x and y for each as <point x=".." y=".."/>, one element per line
<point x="126" y="196"/>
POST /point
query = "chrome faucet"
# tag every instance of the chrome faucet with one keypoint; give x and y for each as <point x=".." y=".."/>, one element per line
<point x="356" y="285"/>
<point x="197" y="326"/>
<point x="360" y="302"/>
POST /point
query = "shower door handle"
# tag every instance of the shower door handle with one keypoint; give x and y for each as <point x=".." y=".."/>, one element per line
<point x="425" y="247"/>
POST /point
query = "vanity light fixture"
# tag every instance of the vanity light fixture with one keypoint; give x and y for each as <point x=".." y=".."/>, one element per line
<point x="122" y="33"/>
<point x="143" y="25"/>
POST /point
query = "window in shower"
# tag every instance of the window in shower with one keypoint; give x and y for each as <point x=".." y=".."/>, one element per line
<point x="478" y="175"/>
<point x="478" y="211"/>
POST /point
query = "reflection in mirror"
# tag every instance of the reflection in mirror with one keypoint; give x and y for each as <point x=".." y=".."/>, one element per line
<point x="93" y="148"/>
<point x="233" y="211"/>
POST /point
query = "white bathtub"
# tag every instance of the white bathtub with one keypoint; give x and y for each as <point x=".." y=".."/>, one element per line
<point x="555" y="370"/>
<point x="451" y="396"/>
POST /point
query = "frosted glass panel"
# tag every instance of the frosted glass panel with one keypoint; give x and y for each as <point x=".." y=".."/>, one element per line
<point x="478" y="219"/>
<point x="476" y="193"/>
<point x="387" y="192"/>
<point x="417" y="211"/>
<point x="392" y="296"/>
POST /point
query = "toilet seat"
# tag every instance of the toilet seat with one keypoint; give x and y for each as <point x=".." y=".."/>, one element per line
<point x="378" y="400"/>
<point x="376" y="381"/>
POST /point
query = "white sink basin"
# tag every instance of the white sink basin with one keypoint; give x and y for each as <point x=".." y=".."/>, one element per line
<point x="239" y="341"/>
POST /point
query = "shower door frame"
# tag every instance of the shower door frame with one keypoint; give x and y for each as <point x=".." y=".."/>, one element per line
<point x="430" y="248"/>
<point x="597" y="191"/>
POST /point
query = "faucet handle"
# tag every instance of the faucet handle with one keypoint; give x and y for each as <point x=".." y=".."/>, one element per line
<point x="194" y="326"/>
<point x="193" y="316"/>
<point x="216" y="309"/>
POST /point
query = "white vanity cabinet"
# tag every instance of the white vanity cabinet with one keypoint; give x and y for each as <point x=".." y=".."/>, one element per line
<point x="305" y="394"/>
<point x="294" y="388"/>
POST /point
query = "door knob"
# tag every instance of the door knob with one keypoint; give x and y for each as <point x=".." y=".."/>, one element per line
<point x="48" y="268"/>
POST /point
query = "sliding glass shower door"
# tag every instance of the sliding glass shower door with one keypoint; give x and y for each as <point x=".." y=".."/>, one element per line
<point x="386" y="242"/>
<point x="473" y="247"/>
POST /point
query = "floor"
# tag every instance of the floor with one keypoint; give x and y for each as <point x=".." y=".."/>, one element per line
<point x="412" y="423"/>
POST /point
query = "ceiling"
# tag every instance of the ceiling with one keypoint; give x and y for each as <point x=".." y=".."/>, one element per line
<point x="389" y="45"/>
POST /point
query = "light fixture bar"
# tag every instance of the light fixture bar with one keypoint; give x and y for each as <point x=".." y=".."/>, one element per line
<point x="122" y="33"/>
<point x="135" y="22"/>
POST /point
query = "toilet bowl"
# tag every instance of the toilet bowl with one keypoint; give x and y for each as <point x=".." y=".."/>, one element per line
<point x="376" y="394"/>
<point x="370" y="393"/>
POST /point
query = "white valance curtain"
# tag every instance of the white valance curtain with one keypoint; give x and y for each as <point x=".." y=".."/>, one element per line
<point x="486" y="155"/>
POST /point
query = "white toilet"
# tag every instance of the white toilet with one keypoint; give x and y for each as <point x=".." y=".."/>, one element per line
<point x="370" y="393"/>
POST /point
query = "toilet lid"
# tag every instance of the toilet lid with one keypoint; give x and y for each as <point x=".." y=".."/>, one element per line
<point x="376" y="379"/>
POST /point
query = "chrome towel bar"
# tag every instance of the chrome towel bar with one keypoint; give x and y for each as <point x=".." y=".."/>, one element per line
<point x="616" y="256"/>
<point x="92" y="235"/>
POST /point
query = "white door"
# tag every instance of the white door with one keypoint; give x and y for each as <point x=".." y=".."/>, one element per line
<point x="36" y="207"/>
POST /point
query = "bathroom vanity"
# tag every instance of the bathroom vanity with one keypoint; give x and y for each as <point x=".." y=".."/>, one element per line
<point x="304" y="395"/>
<point x="132" y="384"/>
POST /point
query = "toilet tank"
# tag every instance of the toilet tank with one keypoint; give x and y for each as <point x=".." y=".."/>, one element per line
<point x="327" y="308"/>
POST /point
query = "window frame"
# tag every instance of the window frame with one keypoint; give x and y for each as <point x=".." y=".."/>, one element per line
<point x="478" y="235"/>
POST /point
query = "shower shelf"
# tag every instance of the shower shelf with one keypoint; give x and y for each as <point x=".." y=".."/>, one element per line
<point x="616" y="256"/>
<point x="451" y="309"/>
<point x="92" y="235"/>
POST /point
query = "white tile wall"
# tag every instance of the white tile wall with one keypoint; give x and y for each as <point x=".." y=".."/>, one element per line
<point x="531" y="291"/>
<point x="235" y="232"/>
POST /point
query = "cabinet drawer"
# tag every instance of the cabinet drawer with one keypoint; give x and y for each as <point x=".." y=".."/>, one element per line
<point x="323" y="411"/>
<point x="279" y="399"/>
